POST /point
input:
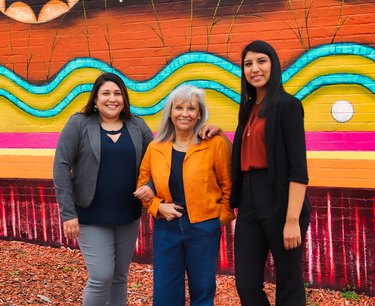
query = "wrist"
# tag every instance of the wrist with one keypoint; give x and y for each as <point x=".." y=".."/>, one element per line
<point x="292" y="220"/>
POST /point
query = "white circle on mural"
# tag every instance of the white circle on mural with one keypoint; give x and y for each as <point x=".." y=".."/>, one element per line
<point x="342" y="111"/>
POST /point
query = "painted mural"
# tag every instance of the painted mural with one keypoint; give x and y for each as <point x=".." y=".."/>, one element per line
<point x="52" y="51"/>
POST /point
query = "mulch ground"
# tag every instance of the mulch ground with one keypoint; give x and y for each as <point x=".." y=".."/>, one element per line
<point x="37" y="275"/>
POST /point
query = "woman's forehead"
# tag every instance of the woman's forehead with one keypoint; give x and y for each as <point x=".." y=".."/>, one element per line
<point x="192" y="100"/>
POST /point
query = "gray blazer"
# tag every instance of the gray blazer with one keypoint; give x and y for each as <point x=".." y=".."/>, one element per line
<point x="77" y="159"/>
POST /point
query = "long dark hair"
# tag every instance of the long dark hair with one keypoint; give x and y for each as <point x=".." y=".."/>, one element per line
<point x="89" y="108"/>
<point x="274" y="85"/>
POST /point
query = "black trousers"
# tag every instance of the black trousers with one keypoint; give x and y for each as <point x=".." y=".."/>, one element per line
<point x="258" y="231"/>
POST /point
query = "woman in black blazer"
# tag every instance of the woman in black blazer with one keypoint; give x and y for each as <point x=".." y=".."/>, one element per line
<point x="269" y="174"/>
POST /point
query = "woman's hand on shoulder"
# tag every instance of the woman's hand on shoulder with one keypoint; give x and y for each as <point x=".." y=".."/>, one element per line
<point x="207" y="131"/>
<point x="71" y="228"/>
<point x="169" y="212"/>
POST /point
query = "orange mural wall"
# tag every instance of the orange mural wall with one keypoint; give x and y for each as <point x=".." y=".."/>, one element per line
<point x="51" y="52"/>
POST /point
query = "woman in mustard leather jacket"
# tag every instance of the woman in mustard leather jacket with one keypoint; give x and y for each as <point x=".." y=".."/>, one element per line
<point x="192" y="181"/>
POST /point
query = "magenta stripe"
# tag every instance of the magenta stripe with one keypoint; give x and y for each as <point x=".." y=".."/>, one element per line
<point x="316" y="141"/>
<point x="28" y="140"/>
<point x="337" y="141"/>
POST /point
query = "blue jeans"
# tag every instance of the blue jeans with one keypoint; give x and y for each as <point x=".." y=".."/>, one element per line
<point x="181" y="246"/>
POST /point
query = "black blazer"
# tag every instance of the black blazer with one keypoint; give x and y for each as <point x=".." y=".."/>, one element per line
<point x="286" y="153"/>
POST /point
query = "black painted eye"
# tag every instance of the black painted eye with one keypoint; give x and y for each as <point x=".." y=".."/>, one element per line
<point x="35" y="11"/>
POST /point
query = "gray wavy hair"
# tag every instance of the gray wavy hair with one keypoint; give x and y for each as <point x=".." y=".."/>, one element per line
<point x="166" y="130"/>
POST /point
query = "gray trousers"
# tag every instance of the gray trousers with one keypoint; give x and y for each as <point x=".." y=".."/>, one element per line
<point x="107" y="252"/>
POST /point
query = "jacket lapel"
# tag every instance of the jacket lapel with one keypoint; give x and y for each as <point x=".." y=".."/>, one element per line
<point x="196" y="147"/>
<point x="270" y="133"/>
<point x="136" y="137"/>
<point x="165" y="149"/>
<point x="93" y="131"/>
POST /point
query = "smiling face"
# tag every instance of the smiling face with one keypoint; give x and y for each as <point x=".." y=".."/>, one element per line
<point x="109" y="101"/>
<point x="257" y="69"/>
<point x="185" y="114"/>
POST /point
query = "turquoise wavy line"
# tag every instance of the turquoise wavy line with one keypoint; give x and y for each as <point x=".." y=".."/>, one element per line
<point x="140" y="111"/>
<point x="185" y="59"/>
<point x="138" y="86"/>
<point x="327" y="50"/>
<point x="177" y="63"/>
<point x="335" y="79"/>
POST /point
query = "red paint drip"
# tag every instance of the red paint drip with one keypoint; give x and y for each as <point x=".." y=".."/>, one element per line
<point x="43" y="214"/>
<point x="357" y="251"/>
<point x="338" y="243"/>
<point x="343" y="248"/>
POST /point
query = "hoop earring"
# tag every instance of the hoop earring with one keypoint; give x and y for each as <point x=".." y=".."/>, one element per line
<point x="95" y="108"/>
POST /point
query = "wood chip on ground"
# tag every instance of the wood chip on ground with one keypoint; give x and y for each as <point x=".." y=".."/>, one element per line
<point x="35" y="275"/>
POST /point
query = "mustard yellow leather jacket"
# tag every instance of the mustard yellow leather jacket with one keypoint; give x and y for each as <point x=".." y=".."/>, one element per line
<point x="206" y="176"/>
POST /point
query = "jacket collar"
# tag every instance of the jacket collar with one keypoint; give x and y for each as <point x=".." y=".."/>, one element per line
<point x="93" y="131"/>
<point x="165" y="148"/>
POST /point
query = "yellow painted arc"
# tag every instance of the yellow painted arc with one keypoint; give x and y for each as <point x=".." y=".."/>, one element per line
<point x="223" y="112"/>
<point x="197" y="71"/>
<point x="48" y="101"/>
<point x="318" y="106"/>
<point x="13" y="119"/>
<point x="139" y="99"/>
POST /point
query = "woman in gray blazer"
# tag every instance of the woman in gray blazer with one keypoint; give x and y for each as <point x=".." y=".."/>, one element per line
<point x="95" y="174"/>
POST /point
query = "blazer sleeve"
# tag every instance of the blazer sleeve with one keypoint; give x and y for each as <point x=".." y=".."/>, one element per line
<point x="145" y="176"/>
<point x="147" y="136"/>
<point x="294" y="137"/>
<point x="65" y="156"/>
<point x="223" y="176"/>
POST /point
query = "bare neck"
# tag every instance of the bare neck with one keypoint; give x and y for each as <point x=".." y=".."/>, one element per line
<point x="183" y="137"/>
<point x="111" y="123"/>
<point x="261" y="93"/>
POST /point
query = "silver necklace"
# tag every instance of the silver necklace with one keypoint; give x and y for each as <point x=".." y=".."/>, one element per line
<point x="181" y="147"/>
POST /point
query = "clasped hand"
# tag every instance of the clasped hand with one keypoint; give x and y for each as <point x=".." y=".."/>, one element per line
<point x="144" y="193"/>
<point x="168" y="210"/>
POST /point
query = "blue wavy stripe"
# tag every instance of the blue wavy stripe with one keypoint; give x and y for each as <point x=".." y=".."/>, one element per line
<point x="327" y="50"/>
<point x="185" y="59"/>
<point x="309" y="88"/>
<point x="147" y="111"/>
<point x="140" y="111"/>
<point x="335" y="79"/>
<point x="57" y="109"/>
<point x="138" y="86"/>
<point x="181" y="61"/>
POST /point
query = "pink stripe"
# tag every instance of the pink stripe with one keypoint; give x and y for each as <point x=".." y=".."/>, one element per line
<point x="316" y="141"/>
<point x="28" y="140"/>
<point x="336" y="141"/>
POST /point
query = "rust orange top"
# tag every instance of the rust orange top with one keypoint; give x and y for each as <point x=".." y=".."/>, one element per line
<point x="253" y="149"/>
